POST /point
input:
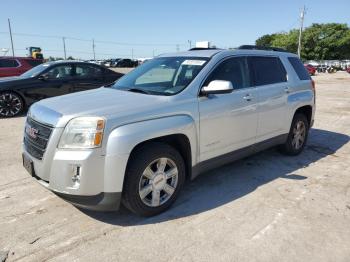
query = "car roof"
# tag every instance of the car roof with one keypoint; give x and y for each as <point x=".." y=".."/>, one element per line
<point x="211" y="52"/>
<point x="19" y="57"/>
<point x="69" y="62"/>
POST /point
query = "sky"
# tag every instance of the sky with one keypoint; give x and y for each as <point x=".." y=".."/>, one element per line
<point x="145" y="28"/>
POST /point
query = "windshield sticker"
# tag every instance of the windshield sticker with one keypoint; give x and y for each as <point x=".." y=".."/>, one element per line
<point x="194" y="62"/>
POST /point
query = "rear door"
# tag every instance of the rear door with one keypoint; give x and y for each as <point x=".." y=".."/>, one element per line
<point x="88" y="76"/>
<point x="270" y="79"/>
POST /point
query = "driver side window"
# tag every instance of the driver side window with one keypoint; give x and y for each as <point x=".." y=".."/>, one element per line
<point x="234" y="70"/>
<point x="59" y="72"/>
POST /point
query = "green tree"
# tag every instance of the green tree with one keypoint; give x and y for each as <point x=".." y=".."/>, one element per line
<point x="265" y="40"/>
<point x="319" y="41"/>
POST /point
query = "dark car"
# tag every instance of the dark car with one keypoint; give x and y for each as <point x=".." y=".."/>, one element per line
<point x="15" y="66"/>
<point x="126" y="63"/>
<point x="348" y="70"/>
<point x="48" y="80"/>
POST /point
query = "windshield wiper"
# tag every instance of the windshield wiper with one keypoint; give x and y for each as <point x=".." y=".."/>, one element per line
<point x="136" y="90"/>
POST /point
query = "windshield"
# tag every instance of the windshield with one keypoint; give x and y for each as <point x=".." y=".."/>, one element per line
<point x="35" y="71"/>
<point x="162" y="76"/>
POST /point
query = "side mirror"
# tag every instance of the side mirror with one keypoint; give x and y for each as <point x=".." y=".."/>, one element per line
<point x="43" y="77"/>
<point x="217" y="87"/>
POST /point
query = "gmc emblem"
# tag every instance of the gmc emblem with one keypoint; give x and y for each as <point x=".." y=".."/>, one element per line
<point x="31" y="131"/>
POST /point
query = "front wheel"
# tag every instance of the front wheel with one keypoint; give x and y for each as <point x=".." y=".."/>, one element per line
<point x="154" y="178"/>
<point x="297" y="136"/>
<point x="11" y="104"/>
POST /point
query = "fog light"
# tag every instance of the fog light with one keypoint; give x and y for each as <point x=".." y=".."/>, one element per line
<point x="76" y="176"/>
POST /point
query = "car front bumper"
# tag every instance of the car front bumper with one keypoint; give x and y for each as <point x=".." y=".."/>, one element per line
<point x="89" y="192"/>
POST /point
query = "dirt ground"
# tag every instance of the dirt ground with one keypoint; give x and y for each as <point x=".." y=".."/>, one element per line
<point x="267" y="207"/>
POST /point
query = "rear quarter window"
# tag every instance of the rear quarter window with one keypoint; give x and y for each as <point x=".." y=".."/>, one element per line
<point x="299" y="68"/>
<point x="268" y="70"/>
<point x="8" y="63"/>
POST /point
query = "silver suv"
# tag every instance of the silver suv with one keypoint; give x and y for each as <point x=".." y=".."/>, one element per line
<point x="137" y="141"/>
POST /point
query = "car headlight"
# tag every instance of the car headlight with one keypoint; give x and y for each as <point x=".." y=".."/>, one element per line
<point x="83" y="133"/>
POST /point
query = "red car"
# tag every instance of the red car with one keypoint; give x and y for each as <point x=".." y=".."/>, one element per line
<point x="348" y="70"/>
<point x="15" y="66"/>
<point x="311" y="69"/>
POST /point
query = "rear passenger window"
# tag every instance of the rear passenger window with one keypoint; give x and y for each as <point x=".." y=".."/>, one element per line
<point x="299" y="68"/>
<point x="234" y="70"/>
<point x="268" y="70"/>
<point x="85" y="70"/>
<point x="8" y="63"/>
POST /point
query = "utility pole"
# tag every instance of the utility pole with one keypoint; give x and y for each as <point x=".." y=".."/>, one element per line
<point x="177" y="48"/>
<point x="93" y="48"/>
<point x="13" y="50"/>
<point x="190" y="43"/>
<point x="154" y="52"/>
<point x="302" y="15"/>
<point x="64" y="48"/>
<point x="132" y="53"/>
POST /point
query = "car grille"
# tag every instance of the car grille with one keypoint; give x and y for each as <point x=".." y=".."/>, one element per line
<point x="36" y="137"/>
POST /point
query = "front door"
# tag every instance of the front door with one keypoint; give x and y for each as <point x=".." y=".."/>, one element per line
<point x="54" y="82"/>
<point x="228" y="122"/>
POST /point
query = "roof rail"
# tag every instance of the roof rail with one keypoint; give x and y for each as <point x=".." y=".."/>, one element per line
<point x="203" y="48"/>
<point x="267" y="48"/>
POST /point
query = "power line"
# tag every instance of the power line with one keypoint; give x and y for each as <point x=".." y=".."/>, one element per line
<point x="96" y="41"/>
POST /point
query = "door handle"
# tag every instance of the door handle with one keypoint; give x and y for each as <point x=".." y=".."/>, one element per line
<point x="287" y="90"/>
<point x="248" y="97"/>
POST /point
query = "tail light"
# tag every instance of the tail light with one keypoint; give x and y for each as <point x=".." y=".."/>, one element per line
<point x="313" y="88"/>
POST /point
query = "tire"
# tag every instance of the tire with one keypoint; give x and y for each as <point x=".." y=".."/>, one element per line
<point x="147" y="189"/>
<point x="11" y="104"/>
<point x="296" y="139"/>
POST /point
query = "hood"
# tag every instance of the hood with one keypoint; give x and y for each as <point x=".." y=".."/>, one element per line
<point x="12" y="81"/>
<point x="9" y="79"/>
<point x="105" y="102"/>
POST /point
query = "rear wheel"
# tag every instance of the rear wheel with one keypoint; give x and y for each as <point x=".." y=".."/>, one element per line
<point x="11" y="104"/>
<point x="297" y="136"/>
<point x="154" y="178"/>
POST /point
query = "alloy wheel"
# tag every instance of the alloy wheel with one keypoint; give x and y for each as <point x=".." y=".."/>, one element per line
<point x="158" y="182"/>
<point x="299" y="134"/>
<point x="10" y="104"/>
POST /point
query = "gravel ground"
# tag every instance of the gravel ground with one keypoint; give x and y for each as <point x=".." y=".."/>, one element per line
<point x="267" y="207"/>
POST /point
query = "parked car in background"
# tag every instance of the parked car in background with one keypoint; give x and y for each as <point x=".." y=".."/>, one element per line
<point x="15" y="66"/>
<point x="126" y="63"/>
<point x="348" y="70"/>
<point x="311" y="69"/>
<point x="321" y="68"/>
<point x="48" y="80"/>
<point x="107" y="63"/>
<point x="114" y="62"/>
<point x="177" y="115"/>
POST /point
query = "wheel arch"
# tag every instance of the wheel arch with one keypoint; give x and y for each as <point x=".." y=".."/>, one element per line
<point x="307" y="111"/>
<point x="178" y="141"/>
<point x="177" y="131"/>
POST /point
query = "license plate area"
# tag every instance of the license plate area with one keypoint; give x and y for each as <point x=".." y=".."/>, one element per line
<point x="28" y="165"/>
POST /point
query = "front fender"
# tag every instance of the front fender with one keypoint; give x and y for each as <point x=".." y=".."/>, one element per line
<point x="122" y="140"/>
